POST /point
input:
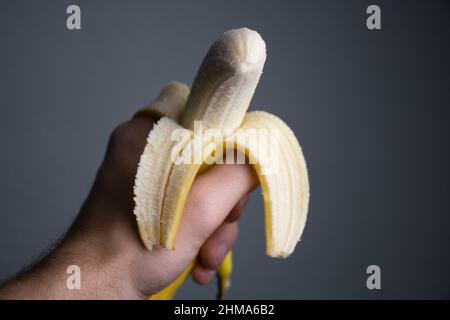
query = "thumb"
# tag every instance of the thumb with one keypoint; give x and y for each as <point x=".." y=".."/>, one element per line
<point x="212" y="197"/>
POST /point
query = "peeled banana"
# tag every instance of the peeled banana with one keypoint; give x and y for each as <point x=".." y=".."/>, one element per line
<point x="197" y="128"/>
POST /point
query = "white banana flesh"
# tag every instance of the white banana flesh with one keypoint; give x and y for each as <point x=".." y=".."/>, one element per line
<point x="226" y="81"/>
<point x="220" y="97"/>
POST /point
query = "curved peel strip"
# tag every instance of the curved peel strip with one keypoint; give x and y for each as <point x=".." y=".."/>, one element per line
<point x="169" y="103"/>
<point x="152" y="173"/>
<point x="179" y="183"/>
<point x="284" y="181"/>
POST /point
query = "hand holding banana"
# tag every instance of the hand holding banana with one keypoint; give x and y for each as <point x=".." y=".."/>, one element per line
<point x="219" y="100"/>
<point x="186" y="214"/>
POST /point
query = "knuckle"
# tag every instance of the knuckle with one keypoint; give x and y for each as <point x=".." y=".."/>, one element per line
<point x="123" y="133"/>
<point x="129" y="136"/>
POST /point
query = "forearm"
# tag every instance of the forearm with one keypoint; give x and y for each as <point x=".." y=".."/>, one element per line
<point x="75" y="261"/>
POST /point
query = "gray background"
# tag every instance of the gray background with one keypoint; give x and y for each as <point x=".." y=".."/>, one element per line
<point x="370" y="109"/>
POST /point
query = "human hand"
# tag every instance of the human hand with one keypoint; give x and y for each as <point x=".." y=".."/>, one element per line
<point x="104" y="240"/>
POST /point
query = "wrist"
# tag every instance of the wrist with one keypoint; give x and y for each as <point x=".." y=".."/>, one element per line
<point x="104" y="273"/>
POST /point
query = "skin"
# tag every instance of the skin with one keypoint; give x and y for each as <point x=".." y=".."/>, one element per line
<point x="104" y="242"/>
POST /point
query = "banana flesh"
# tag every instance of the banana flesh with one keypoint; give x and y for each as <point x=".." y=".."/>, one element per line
<point x="226" y="81"/>
<point x="219" y="98"/>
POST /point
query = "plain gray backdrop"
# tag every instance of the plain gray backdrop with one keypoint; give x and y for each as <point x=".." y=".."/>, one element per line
<point x="370" y="109"/>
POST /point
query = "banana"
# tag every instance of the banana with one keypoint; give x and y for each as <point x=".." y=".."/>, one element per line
<point x="224" y="275"/>
<point x="197" y="128"/>
<point x="226" y="81"/>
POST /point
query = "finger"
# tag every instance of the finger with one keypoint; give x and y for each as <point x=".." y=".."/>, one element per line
<point x="214" y="250"/>
<point x="202" y="275"/>
<point x="213" y="195"/>
<point x="235" y="213"/>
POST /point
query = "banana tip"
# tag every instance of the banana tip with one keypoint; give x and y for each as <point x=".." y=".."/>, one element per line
<point x="248" y="45"/>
